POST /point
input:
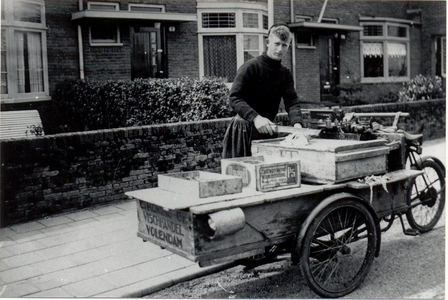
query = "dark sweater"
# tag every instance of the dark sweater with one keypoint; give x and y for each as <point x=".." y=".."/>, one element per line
<point x="258" y="88"/>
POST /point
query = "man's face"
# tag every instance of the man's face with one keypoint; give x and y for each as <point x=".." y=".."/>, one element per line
<point x="276" y="47"/>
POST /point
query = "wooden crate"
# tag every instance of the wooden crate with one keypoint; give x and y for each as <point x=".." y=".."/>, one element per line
<point x="200" y="184"/>
<point x="328" y="160"/>
<point x="262" y="174"/>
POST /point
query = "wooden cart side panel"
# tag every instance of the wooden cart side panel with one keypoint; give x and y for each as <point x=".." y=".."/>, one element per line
<point x="348" y="170"/>
<point x="384" y="202"/>
<point x="171" y="229"/>
<point x="264" y="223"/>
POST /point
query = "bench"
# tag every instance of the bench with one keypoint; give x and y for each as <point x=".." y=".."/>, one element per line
<point x="20" y="124"/>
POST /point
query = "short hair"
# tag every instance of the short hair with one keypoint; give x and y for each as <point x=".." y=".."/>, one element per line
<point x="280" y="30"/>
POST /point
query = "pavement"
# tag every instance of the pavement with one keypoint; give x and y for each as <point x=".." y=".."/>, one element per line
<point x="96" y="253"/>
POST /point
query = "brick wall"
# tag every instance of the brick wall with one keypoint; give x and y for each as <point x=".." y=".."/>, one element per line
<point x="51" y="174"/>
<point x="104" y="63"/>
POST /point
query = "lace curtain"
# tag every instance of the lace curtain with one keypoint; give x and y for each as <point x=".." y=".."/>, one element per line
<point x="29" y="62"/>
<point x="396" y="50"/>
<point x="376" y="49"/>
<point x="372" y="49"/>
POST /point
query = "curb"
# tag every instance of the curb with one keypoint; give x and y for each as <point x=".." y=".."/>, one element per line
<point x="180" y="278"/>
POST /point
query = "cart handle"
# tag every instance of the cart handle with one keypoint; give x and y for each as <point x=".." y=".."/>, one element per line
<point x="396" y="115"/>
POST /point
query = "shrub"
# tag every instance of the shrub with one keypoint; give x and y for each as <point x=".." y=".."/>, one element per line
<point x="88" y="105"/>
<point x="359" y="94"/>
<point x="422" y="88"/>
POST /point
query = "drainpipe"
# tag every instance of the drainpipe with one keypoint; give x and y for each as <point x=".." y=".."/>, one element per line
<point x="270" y="13"/>
<point x="322" y="11"/>
<point x="293" y="50"/>
<point x="81" y="52"/>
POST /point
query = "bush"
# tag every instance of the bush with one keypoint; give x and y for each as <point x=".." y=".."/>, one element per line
<point x="422" y="88"/>
<point x="360" y="94"/>
<point x="89" y="105"/>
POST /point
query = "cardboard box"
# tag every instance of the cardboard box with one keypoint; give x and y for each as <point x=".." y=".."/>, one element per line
<point x="330" y="161"/>
<point x="200" y="184"/>
<point x="263" y="174"/>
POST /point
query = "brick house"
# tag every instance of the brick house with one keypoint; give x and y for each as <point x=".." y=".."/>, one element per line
<point x="336" y="42"/>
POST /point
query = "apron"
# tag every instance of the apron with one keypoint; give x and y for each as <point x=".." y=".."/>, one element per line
<point x="239" y="136"/>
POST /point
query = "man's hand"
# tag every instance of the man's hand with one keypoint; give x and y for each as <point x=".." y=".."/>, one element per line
<point x="264" y="125"/>
<point x="298" y="125"/>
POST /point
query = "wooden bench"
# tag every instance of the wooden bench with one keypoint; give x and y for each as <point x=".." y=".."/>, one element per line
<point x="20" y="124"/>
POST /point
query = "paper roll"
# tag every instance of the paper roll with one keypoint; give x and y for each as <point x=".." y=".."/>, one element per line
<point x="226" y="222"/>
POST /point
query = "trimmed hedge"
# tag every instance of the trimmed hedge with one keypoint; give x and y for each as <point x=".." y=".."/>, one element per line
<point x="90" y="105"/>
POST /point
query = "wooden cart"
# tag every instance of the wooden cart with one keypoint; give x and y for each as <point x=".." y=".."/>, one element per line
<point x="332" y="230"/>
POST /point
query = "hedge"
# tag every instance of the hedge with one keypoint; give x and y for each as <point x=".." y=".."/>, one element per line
<point x="89" y="105"/>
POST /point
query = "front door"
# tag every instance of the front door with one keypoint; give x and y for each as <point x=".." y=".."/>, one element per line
<point x="328" y="47"/>
<point x="147" y="55"/>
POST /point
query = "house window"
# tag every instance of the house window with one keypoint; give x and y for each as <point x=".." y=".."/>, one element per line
<point x="304" y="39"/>
<point x="220" y="56"/>
<point x="385" y="52"/>
<point x="4" y="78"/>
<point x="265" y="22"/>
<point x="229" y="35"/>
<point x="218" y="20"/>
<point x="102" y="6"/>
<point x="104" y="34"/>
<point x="250" y="20"/>
<point x="251" y="46"/>
<point x="24" y="71"/>
<point x="440" y="51"/>
<point x="146" y="7"/>
<point x="299" y="18"/>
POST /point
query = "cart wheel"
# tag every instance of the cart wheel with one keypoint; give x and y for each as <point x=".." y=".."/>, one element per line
<point x="426" y="197"/>
<point x="338" y="248"/>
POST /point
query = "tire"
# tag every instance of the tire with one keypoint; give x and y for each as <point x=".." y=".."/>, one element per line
<point x="426" y="197"/>
<point x="339" y="248"/>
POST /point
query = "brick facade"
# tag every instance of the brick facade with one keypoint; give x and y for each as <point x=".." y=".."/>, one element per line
<point x="51" y="174"/>
<point x="182" y="47"/>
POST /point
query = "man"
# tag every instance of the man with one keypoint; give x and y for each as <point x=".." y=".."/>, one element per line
<point x="256" y="93"/>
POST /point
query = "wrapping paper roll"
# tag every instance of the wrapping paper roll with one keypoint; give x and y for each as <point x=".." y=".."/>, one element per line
<point x="226" y="222"/>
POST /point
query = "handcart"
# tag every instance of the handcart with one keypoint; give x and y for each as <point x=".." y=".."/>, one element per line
<point x="326" y="203"/>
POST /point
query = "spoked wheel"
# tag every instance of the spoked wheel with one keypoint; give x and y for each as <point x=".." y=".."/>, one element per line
<point x="339" y="248"/>
<point x="427" y="197"/>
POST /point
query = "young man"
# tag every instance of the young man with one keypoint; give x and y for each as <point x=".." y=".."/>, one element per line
<point x="256" y="93"/>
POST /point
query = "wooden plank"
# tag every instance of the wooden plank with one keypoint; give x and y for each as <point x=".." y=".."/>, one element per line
<point x="200" y="184"/>
<point x="394" y="176"/>
<point x="177" y="201"/>
<point x="320" y="145"/>
<point x="304" y="190"/>
<point x="361" y="154"/>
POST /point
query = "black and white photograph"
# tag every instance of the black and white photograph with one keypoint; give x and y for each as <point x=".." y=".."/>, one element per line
<point x="223" y="149"/>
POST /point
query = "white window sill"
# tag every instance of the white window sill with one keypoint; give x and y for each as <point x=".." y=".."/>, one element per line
<point x="106" y="45"/>
<point x="385" y="80"/>
<point x="307" y="47"/>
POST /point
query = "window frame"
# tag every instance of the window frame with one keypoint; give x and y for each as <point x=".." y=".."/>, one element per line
<point x="385" y="40"/>
<point x="104" y="43"/>
<point x="238" y="31"/>
<point x="161" y="6"/>
<point x="10" y="26"/>
<point x="115" y="5"/>
<point x="443" y="46"/>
